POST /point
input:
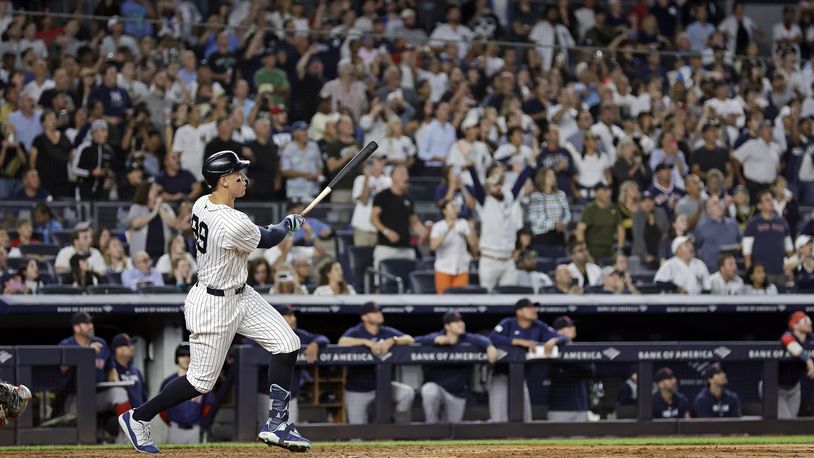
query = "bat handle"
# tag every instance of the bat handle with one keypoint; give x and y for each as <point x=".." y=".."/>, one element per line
<point x="317" y="200"/>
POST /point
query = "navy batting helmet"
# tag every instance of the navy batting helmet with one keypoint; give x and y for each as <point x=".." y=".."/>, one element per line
<point x="181" y="350"/>
<point x="220" y="164"/>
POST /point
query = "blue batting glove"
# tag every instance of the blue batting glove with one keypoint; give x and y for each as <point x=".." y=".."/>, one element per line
<point x="294" y="223"/>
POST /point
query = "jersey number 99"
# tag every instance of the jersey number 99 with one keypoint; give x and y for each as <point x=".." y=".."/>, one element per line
<point x="199" y="231"/>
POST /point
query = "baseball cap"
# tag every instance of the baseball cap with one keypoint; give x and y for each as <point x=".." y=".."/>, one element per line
<point x="663" y="166"/>
<point x="299" y="125"/>
<point x="470" y="121"/>
<point x="714" y="124"/>
<point x="563" y="322"/>
<point x="452" y="316"/>
<point x="277" y="109"/>
<point x="796" y="317"/>
<point x="265" y="87"/>
<point x="665" y="373"/>
<point x="99" y="124"/>
<point x="678" y="241"/>
<point x="284" y="309"/>
<point x="712" y="369"/>
<point x="647" y="194"/>
<point x="408" y="12"/>
<point x="120" y="340"/>
<point x="369" y="307"/>
<point x="81" y="317"/>
<point x="112" y="21"/>
<point x="523" y="303"/>
<point x="802" y="240"/>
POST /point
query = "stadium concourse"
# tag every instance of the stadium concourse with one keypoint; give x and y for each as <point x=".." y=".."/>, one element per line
<point x="570" y="154"/>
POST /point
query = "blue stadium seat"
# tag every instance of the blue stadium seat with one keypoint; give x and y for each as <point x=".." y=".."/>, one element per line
<point x="108" y="288"/>
<point x="471" y="289"/>
<point x="359" y="259"/>
<point x="422" y="282"/>
<point x="545" y="264"/>
<point x="563" y="260"/>
<point x="39" y="249"/>
<point x="514" y="289"/>
<point x="114" y="278"/>
<point x="159" y="290"/>
<point x="400" y="268"/>
<point x="426" y="264"/>
<point x="59" y="289"/>
<point x="549" y="251"/>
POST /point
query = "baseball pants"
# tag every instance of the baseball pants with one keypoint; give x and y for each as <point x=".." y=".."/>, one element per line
<point x="213" y="322"/>
<point x="357" y="403"/>
<point x="178" y="435"/>
<point x="493" y="272"/>
<point x="567" y="415"/>
<point x="499" y="399"/>
<point x="788" y="401"/>
<point x="263" y="409"/>
<point x="435" y="398"/>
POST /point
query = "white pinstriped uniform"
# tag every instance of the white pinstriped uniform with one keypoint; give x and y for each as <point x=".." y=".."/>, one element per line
<point x="224" y="238"/>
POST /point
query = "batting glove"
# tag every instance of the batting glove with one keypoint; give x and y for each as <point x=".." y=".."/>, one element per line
<point x="294" y="223"/>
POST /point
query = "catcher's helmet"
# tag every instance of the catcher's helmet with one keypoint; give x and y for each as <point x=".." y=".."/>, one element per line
<point x="220" y="164"/>
<point x="181" y="350"/>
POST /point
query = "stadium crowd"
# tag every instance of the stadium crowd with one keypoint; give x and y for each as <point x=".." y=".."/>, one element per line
<point x="662" y="154"/>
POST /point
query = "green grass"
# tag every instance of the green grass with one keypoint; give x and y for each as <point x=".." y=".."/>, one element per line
<point x="723" y="440"/>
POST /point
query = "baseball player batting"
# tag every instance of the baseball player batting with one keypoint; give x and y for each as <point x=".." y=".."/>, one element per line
<point x="221" y="304"/>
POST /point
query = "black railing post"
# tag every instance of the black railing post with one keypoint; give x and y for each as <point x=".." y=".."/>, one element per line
<point x="384" y="392"/>
<point x="770" y="388"/>
<point x="517" y="377"/>
<point x="644" y="386"/>
<point x="245" y="395"/>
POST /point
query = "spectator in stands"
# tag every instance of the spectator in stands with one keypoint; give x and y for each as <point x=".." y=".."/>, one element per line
<point x="181" y="276"/>
<point x="650" y="229"/>
<point x="568" y="392"/>
<point x="12" y="161"/>
<point x="683" y="273"/>
<point x="716" y="401"/>
<point x="184" y="419"/>
<point x="346" y="91"/>
<point x="437" y="138"/>
<point x="93" y="164"/>
<point x="629" y="200"/>
<point x="554" y="156"/>
<point x="715" y="232"/>
<point x="394" y="217"/>
<point x="12" y="283"/>
<point x="691" y="204"/>
<point x="337" y="153"/>
<point x="270" y="74"/>
<point x="266" y="164"/>
<point x="301" y="164"/>
<point x="760" y="159"/>
<point x="527" y="274"/>
<point x="739" y="28"/>
<point x="260" y="274"/>
<point x="397" y="148"/>
<point x="176" y="248"/>
<point x="766" y="239"/>
<point x="32" y="188"/>
<point x="149" y="221"/>
<point x="668" y="402"/>
<point x="785" y="205"/>
<point x="188" y="141"/>
<point x="142" y="273"/>
<point x="592" y="166"/>
<point x="332" y="280"/>
<point x="630" y="166"/>
<point x="523" y="330"/>
<point x="790" y="373"/>
<point x="223" y="140"/>
<point x="801" y="264"/>
<point x="726" y="280"/>
<point x="470" y="150"/>
<point x="176" y="183"/>
<point x="81" y="274"/>
<point x="563" y="282"/>
<point x="26" y="120"/>
<point x="80" y="243"/>
<point x="360" y="382"/>
<point x="452" y="239"/>
<point x="365" y="188"/>
<point x="664" y="191"/>
<point x="30" y="276"/>
<point x="758" y="281"/>
<point x="115" y="258"/>
<point x="584" y="272"/>
<point x="122" y="353"/>
<point x="710" y="156"/>
<point x="49" y="156"/>
<point x="286" y="282"/>
<point x="4" y="268"/>
<point x="115" y="100"/>
<point x="600" y="224"/>
<point x="513" y="154"/>
<point x="25" y="233"/>
<point x="445" y="388"/>
<point x="740" y="209"/>
<point x="101" y="237"/>
<point x="109" y="399"/>
<point x="548" y="211"/>
<point x="45" y="222"/>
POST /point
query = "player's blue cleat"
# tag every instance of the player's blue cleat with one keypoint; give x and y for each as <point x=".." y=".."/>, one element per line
<point x="284" y="435"/>
<point x="138" y="433"/>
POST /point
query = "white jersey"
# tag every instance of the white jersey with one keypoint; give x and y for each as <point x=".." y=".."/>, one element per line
<point x="225" y="238"/>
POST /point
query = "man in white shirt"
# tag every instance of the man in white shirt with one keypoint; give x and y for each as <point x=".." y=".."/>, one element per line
<point x="470" y="150"/>
<point x="549" y="33"/>
<point x="365" y="187"/>
<point x="513" y="154"/>
<point x="730" y="26"/>
<point x="41" y="82"/>
<point x="684" y="272"/>
<point x="585" y="273"/>
<point x="728" y="110"/>
<point x="726" y="280"/>
<point x="189" y="141"/>
<point x="609" y="133"/>
<point x="787" y="33"/>
<point x="81" y="239"/>
<point x="760" y="158"/>
<point x="564" y="113"/>
<point x="452" y="31"/>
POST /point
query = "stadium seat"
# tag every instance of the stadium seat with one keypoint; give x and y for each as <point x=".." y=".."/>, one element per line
<point x="59" y="289"/>
<point x="114" y="278"/>
<point x="108" y="288"/>
<point x="549" y="251"/>
<point x="545" y="264"/>
<point x="514" y="289"/>
<point x="359" y="259"/>
<point x="643" y="278"/>
<point x="563" y="260"/>
<point x="426" y="264"/>
<point x="343" y="241"/>
<point x="400" y="268"/>
<point x="474" y="278"/>
<point x="61" y="238"/>
<point x="159" y="290"/>
<point x="422" y="282"/>
<point x="471" y="289"/>
<point x="605" y="261"/>
<point x="40" y="249"/>
<point x="16" y="263"/>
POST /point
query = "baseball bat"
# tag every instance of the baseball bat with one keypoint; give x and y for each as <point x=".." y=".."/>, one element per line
<point x="360" y="157"/>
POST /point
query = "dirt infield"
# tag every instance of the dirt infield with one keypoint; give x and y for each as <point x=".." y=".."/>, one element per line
<point x="508" y="451"/>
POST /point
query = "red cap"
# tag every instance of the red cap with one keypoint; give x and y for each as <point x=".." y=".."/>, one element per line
<point x="796" y="317"/>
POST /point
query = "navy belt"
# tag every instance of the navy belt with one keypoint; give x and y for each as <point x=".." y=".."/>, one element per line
<point x="222" y="293"/>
